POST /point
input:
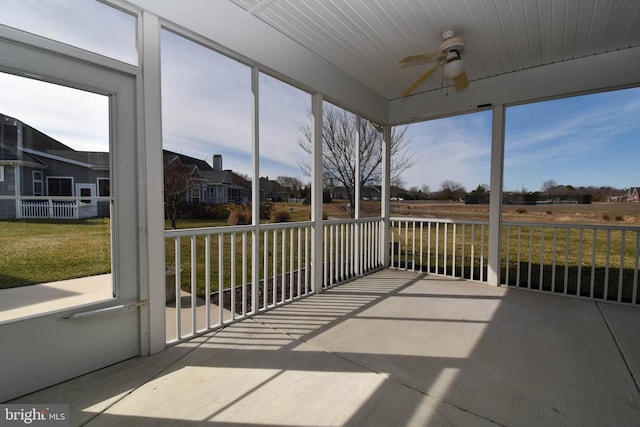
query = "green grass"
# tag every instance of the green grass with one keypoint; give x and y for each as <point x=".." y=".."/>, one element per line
<point x="46" y="251"/>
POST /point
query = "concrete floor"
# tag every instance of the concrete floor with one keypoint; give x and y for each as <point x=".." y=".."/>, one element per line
<point x="390" y="349"/>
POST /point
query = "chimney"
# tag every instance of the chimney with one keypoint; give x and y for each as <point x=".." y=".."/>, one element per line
<point x="217" y="162"/>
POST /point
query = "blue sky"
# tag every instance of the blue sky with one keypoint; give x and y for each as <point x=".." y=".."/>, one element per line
<point x="586" y="140"/>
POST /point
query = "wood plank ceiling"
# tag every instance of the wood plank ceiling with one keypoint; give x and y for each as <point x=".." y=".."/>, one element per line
<point x="367" y="38"/>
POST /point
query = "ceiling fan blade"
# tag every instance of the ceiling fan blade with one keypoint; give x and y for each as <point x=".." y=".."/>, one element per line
<point x="461" y="81"/>
<point x="421" y="57"/>
<point x="421" y="79"/>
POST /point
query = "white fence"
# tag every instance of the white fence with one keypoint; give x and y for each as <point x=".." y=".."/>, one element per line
<point x="211" y="270"/>
<point x="589" y="261"/>
<point x="48" y="209"/>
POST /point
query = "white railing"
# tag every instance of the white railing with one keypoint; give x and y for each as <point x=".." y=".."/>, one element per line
<point x="48" y="209"/>
<point x="210" y="270"/>
<point x="591" y="261"/>
<point x="351" y="248"/>
<point x="599" y="262"/>
<point x="440" y="246"/>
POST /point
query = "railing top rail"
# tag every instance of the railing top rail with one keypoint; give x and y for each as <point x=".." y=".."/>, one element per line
<point x="351" y="220"/>
<point x="281" y="225"/>
<point x="573" y="226"/>
<point x="203" y="231"/>
<point x="439" y="220"/>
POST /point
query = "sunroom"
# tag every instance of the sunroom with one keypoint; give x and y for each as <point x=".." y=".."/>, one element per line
<point x="369" y="318"/>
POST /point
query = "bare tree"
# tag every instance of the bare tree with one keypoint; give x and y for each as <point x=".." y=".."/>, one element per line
<point x="548" y="185"/>
<point x="178" y="181"/>
<point x="339" y="153"/>
<point x="292" y="183"/>
<point x="452" y="190"/>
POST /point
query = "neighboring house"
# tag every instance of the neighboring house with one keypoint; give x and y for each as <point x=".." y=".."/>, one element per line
<point x="272" y="191"/>
<point x="212" y="184"/>
<point x="41" y="177"/>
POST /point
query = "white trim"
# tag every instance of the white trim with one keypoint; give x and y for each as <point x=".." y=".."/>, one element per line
<point x="62" y="159"/>
<point x="34" y="181"/>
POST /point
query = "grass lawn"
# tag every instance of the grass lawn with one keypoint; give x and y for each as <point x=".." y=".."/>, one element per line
<point x="45" y="251"/>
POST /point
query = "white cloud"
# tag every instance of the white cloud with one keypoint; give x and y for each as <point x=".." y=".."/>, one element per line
<point x="76" y="118"/>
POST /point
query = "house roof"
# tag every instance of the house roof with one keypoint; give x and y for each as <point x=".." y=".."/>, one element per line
<point x="36" y="147"/>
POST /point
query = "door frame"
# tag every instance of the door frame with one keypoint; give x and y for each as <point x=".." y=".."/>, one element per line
<point x="42" y="350"/>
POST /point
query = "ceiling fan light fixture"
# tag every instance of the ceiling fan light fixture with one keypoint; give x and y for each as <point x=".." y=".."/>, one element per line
<point x="453" y="68"/>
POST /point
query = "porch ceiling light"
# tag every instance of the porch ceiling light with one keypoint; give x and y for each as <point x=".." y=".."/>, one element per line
<point x="453" y="68"/>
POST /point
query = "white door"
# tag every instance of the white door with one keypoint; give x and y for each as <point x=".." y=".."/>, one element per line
<point x="60" y="328"/>
<point x="87" y="202"/>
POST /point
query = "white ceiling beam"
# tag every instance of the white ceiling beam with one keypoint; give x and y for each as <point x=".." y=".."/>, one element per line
<point x="618" y="69"/>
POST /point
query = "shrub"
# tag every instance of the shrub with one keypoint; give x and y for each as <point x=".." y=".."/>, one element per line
<point x="239" y="217"/>
<point x="619" y="218"/>
<point x="280" y="216"/>
<point x="521" y="211"/>
<point x="265" y="210"/>
<point x="606" y="217"/>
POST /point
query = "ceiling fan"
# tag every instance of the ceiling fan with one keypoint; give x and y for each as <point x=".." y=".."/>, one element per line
<point x="448" y="56"/>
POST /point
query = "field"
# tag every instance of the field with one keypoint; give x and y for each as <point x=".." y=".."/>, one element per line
<point x="40" y="252"/>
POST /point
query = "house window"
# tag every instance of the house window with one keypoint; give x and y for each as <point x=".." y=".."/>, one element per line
<point x="1" y="173"/>
<point x="59" y="186"/>
<point x="37" y="183"/>
<point x="104" y="187"/>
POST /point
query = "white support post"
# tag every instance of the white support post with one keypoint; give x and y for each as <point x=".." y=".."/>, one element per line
<point x="386" y="193"/>
<point x="316" y="193"/>
<point x="495" y="195"/>
<point x="255" y="188"/>
<point x="150" y="187"/>
<point x="357" y="197"/>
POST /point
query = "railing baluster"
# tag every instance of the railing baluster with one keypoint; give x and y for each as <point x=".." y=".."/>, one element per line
<point x="453" y="252"/>
<point x="265" y="267"/>
<point x="566" y="261"/>
<point x="232" y="260"/>
<point x="207" y="279"/>
<point x="444" y="247"/>
<point x="244" y="273"/>
<point x="634" y="291"/>
<point x="506" y="274"/>
<point x="413" y="245"/>
<point x="194" y="294"/>
<point x="606" y="267"/>
<point x="283" y="272"/>
<point x="274" y="283"/>
<point x="530" y="266"/>
<point x="482" y="269"/>
<point x="178" y="267"/>
<point x="593" y="265"/>
<point x="307" y="272"/>
<point x="462" y="249"/>
<point x="473" y="249"/>
<point x="621" y="271"/>
<point x="553" y="262"/>
<point x="542" y="231"/>
<point x="437" y="246"/>
<point x="299" y="262"/>
<point x="518" y="255"/>
<point x="291" y="259"/>
<point x="220" y="278"/>
<point x="580" y="249"/>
